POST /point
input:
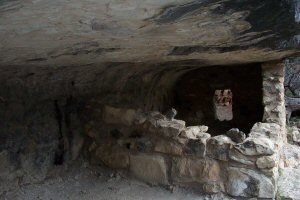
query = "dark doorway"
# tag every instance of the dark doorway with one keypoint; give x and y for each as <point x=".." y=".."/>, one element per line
<point x="241" y="93"/>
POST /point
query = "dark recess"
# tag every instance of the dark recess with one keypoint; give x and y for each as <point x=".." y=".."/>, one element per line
<point x="194" y="91"/>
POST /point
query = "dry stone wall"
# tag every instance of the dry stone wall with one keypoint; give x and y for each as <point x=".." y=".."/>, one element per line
<point x="165" y="151"/>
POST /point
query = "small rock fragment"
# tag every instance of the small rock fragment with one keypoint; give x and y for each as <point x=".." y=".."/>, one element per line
<point x="236" y="135"/>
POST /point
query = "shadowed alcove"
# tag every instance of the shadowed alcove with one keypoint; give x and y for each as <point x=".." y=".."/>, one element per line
<point x="220" y="97"/>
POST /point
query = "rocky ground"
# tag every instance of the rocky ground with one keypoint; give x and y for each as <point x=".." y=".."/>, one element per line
<point x="82" y="182"/>
<point x="289" y="177"/>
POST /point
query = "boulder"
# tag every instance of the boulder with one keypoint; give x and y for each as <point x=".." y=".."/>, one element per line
<point x="149" y="168"/>
<point x="218" y="147"/>
<point x="256" y="147"/>
<point x="249" y="183"/>
<point x="236" y="135"/>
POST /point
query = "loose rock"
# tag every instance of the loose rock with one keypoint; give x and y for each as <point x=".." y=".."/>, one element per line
<point x="236" y="135"/>
<point x="256" y="147"/>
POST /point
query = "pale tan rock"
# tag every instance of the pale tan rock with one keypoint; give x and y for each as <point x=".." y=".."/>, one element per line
<point x="268" y="130"/>
<point x="150" y="168"/>
<point x="167" y="128"/>
<point x="114" y="115"/>
<point x="168" y="147"/>
<point x="212" y="187"/>
<point x="195" y="170"/>
<point x="266" y="162"/>
<point x="113" y="156"/>
<point x="193" y="132"/>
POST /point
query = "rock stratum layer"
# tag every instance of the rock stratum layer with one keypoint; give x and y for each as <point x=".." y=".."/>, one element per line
<point x="72" y="32"/>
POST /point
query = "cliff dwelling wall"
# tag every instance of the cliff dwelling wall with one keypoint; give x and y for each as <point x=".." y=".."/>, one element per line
<point x="114" y="116"/>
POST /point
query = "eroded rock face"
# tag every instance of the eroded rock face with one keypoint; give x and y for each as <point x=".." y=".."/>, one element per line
<point x="130" y="31"/>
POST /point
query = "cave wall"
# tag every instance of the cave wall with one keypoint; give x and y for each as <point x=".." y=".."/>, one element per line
<point x="36" y="133"/>
<point x="29" y="142"/>
<point x="40" y="110"/>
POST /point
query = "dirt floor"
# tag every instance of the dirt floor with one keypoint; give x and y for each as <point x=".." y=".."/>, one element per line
<point x="81" y="181"/>
<point x="95" y="183"/>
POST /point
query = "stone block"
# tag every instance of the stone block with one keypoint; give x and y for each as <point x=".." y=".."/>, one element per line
<point x="218" y="147"/>
<point x="149" y="168"/>
<point x="167" y="128"/>
<point x="113" y="156"/>
<point x="185" y="170"/>
<point x="268" y="130"/>
<point x="168" y="147"/>
<point x="267" y="162"/>
<point x="195" y="147"/>
<point x="237" y="156"/>
<point x="256" y="147"/>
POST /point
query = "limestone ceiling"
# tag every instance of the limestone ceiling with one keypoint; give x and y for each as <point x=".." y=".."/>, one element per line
<point x="76" y="32"/>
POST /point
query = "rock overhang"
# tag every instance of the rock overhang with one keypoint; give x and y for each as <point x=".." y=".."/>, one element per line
<point x="61" y="33"/>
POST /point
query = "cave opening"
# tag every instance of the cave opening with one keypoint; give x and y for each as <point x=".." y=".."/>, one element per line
<point x="220" y="97"/>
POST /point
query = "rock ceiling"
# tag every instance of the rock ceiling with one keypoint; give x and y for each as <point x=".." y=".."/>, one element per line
<point x="75" y="32"/>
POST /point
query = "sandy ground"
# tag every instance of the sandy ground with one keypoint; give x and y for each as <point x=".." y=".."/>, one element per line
<point x="96" y="183"/>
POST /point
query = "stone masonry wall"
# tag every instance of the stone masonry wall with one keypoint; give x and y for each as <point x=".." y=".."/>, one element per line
<point x="273" y="94"/>
<point x="165" y="151"/>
